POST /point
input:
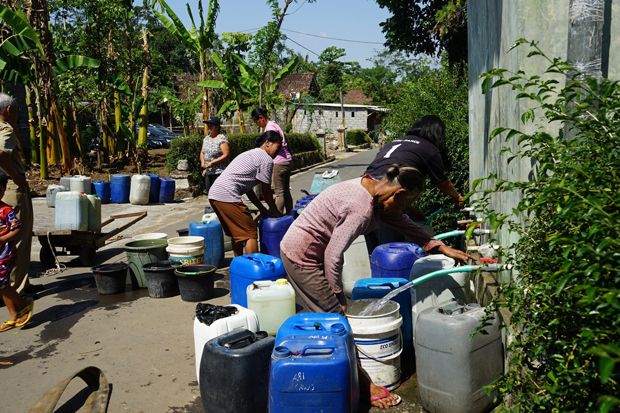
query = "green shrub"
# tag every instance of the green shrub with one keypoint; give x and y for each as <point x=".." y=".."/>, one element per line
<point x="357" y="137"/>
<point x="565" y="300"/>
<point x="188" y="147"/>
<point x="444" y="93"/>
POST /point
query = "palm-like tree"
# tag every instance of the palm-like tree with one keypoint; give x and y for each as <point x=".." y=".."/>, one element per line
<point x="199" y="40"/>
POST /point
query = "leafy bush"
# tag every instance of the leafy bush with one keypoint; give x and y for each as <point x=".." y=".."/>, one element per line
<point x="565" y="301"/>
<point x="188" y="147"/>
<point x="357" y="137"/>
<point x="444" y="93"/>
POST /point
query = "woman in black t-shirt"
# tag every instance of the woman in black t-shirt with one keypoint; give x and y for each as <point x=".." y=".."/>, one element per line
<point x="423" y="147"/>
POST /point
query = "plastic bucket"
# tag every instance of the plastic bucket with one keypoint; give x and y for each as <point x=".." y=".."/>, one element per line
<point x="181" y="255"/>
<point x="195" y="282"/>
<point x="140" y="253"/>
<point x="183" y="232"/>
<point x="161" y="280"/>
<point x="189" y="241"/>
<point x="186" y="250"/>
<point x="150" y="235"/>
<point x="378" y="340"/>
<point x="110" y="278"/>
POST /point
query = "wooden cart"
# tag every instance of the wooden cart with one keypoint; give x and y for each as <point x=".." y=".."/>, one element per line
<point x="81" y="243"/>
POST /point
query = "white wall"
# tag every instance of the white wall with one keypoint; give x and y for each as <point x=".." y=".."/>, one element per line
<point x="329" y="119"/>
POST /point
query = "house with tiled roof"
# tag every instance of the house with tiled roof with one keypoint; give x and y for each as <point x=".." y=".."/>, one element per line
<point x="296" y="85"/>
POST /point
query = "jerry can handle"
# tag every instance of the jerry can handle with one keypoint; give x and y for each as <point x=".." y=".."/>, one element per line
<point x="308" y="327"/>
<point x="380" y="286"/>
<point x="317" y="350"/>
<point x="238" y="337"/>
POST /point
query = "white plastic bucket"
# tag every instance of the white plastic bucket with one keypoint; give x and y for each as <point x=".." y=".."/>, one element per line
<point x="185" y="255"/>
<point x="188" y="241"/>
<point x="150" y="235"/>
<point x="378" y="340"/>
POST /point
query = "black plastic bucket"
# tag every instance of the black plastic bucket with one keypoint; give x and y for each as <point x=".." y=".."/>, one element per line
<point x="195" y="282"/>
<point x="160" y="279"/>
<point x="110" y="278"/>
<point x="183" y="232"/>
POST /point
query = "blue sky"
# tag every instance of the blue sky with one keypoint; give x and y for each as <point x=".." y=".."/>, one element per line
<point x="343" y="19"/>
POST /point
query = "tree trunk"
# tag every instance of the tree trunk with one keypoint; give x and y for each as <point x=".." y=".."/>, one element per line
<point x="76" y="131"/>
<point x="34" y="144"/>
<point x="241" y="121"/>
<point x="144" y="113"/>
<point x="205" y="93"/>
<point x="38" y="15"/>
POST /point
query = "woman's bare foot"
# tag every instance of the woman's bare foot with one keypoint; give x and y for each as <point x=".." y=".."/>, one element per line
<point x="380" y="397"/>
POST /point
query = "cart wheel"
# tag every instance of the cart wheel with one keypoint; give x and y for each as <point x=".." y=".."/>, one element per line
<point x="88" y="254"/>
<point x="46" y="257"/>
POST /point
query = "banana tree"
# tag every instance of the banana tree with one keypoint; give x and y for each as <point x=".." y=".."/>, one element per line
<point x="198" y="40"/>
<point x="256" y="92"/>
<point x="21" y="57"/>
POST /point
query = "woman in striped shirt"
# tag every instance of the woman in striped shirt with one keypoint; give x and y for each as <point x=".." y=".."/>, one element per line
<point x="244" y="172"/>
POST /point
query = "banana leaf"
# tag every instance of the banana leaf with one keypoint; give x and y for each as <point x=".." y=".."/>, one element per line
<point x="213" y="84"/>
<point x="18" y="23"/>
<point x="73" y="62"/>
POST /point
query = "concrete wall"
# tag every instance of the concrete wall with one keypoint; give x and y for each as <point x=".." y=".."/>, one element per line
<point x="329" y="118"/>
<point x="494" y="26"/>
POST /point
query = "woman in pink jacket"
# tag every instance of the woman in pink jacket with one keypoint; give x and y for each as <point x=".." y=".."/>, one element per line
<point x="313" y="248"/>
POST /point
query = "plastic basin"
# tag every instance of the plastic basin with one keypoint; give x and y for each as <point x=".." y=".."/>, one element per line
<point x="195" y="282"/>
<point x="150" y="235"/>
<point x="161" y="280"/>
<point x="110" y="278"/>
<point x="140" y="253"/>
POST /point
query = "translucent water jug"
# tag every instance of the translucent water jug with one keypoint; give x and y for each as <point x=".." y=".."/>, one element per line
<point x="94" y="213"/>
<point x="71" y="211"/>
<point x="140" y="189"/>
<point x="439" y="290"/>
<point x="273" y="302"/>
<point x="356" y="265"/>
<point x="454" y="363"/>
<point x="80" y="183"/>
<point x="50" y="194"/>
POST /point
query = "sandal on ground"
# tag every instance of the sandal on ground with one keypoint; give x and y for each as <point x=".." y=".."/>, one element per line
<point x="384" y="393"/>
<point x="26" y="311"/>
<point x="7" y="325"/>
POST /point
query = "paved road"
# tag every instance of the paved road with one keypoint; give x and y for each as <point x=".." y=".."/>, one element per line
<point x="348" y="168"/>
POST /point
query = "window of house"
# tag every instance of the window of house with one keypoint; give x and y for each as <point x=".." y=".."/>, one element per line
<point x="336" y="114"/>
<point x="352" y="114"/>
<point x="320" y="112"/>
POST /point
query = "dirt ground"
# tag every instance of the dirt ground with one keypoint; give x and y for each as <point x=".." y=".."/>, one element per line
<point x="157" y="165"/>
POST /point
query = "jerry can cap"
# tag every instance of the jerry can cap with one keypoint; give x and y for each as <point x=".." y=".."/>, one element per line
<point x="281" y="281"/>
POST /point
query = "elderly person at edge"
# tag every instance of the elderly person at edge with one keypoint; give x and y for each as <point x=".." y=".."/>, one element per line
<point x="247" y="170"/>
<point x="282" y="163"/>
<point x="17" y="195"/>
<point x="312" y="250"/>
<point x="215" y="152"/>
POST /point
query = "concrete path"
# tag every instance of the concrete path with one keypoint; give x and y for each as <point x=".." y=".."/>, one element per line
<point x="144" y="345"/>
